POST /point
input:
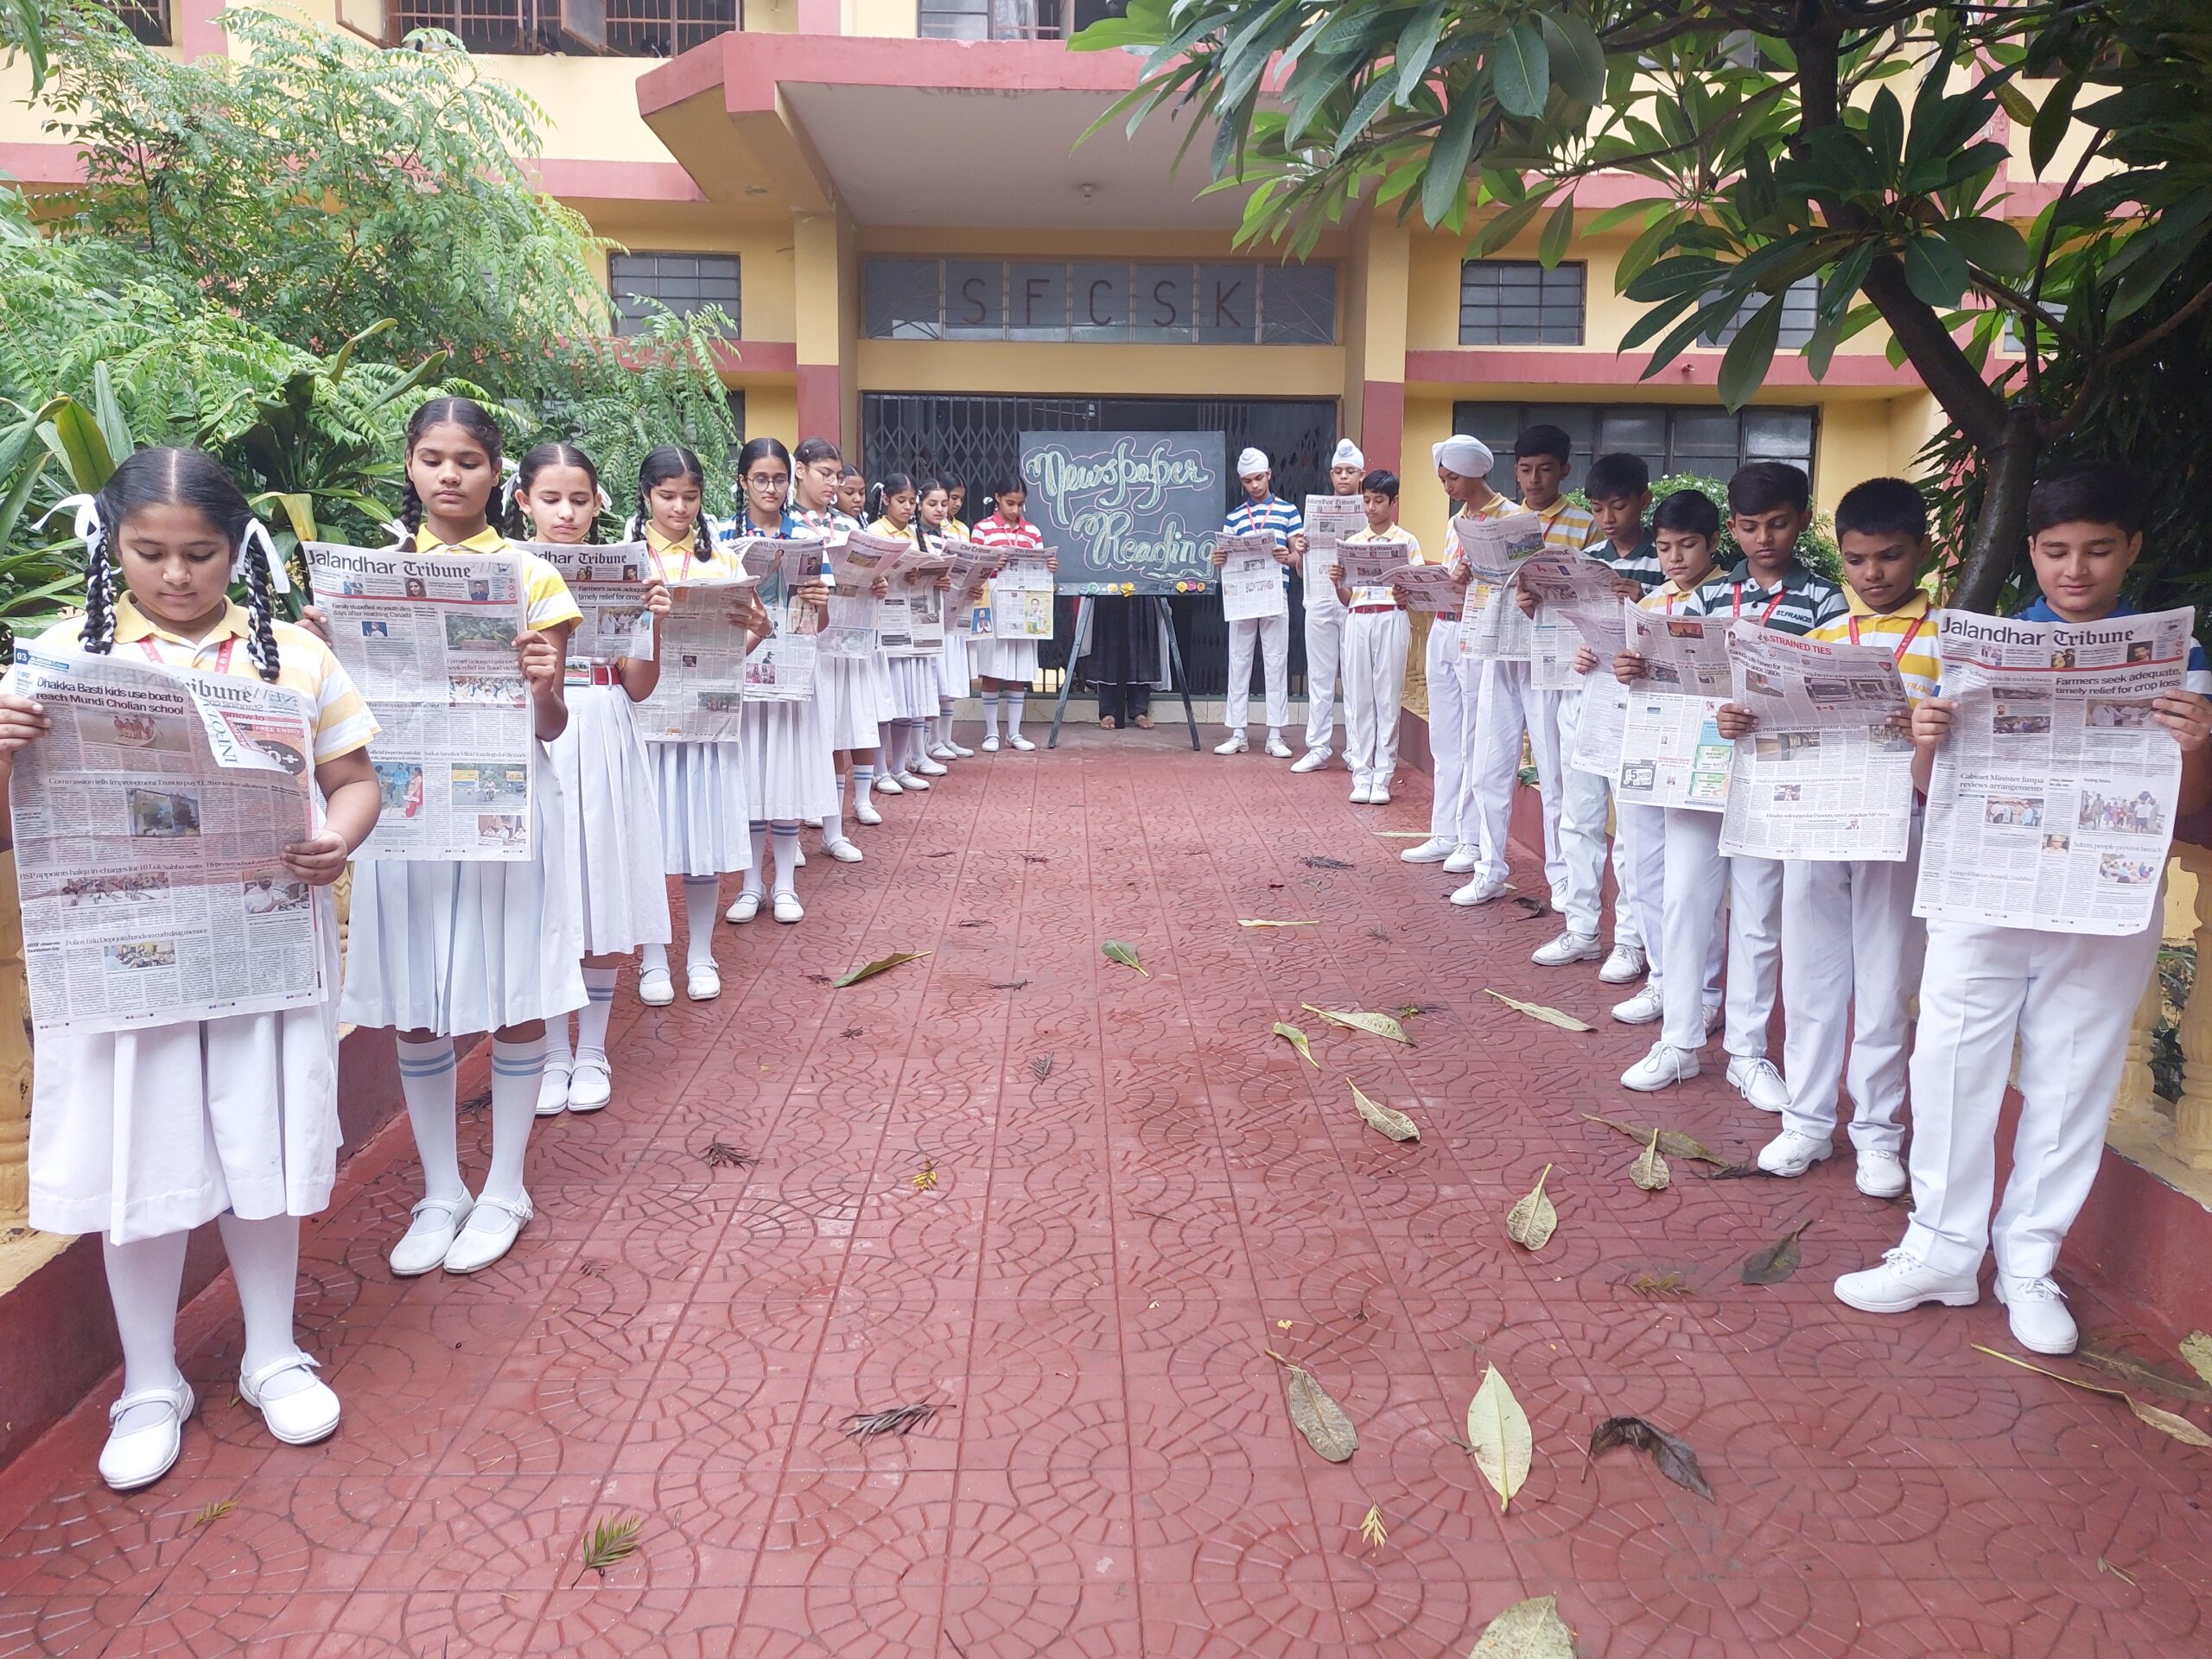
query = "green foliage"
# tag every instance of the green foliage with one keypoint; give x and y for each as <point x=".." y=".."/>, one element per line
<point x="1816" y="547"/>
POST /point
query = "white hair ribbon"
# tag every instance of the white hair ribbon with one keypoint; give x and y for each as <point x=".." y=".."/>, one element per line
<point x="509" y="472"/>
<point x="92" y="528"/>
<point x="257" y="535"/>
<point x="605" y="501"/>
<point x="396" y="530"/>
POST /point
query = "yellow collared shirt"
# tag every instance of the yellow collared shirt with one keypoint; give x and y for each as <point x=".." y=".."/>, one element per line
<point x="1908" y="633"/>
<point x="550" y="602"/>
<point x="680" y="562"/>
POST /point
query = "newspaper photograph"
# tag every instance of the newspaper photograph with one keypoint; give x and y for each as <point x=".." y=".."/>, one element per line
<point x="781" y="667"/>
<point x="1827" y="775"/>
<point x="854" y="564"/>
<point x="151" y="825"/>
<point x="967" y="602"/>
<point x="1428" y="589"/>
<point x="1252" y="587"/>
<point x="431" y="642"/>
<point x="1492" y="625"/>
<point x="1021" y="599"/>
<point x="1672" y="754"/>
<point x="608" y="584"/>
<point x="704" y="669"/>
<point x="2051" y="806"/>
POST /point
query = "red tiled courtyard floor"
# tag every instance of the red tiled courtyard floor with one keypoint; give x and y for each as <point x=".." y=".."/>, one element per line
<point x="1139" y="1191"/>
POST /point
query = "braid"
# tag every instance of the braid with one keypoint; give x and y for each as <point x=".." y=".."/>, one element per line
<point x="410" y="508"/>
<point x="99" y="595"/>
<point x="261" y="642"/>
<point x="702" y="545"/>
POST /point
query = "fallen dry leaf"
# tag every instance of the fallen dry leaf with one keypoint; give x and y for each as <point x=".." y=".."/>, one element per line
<point x="1254" y="922"/>
<point x="1663" y="1284"/>
<point x="1527" y="1630"/>
<point x="1778" y="1260"/>
<point x="1317" y="1417"/>
<point x="213" y="1512"/>
<point x="881" y="964"/>
<point x="925" y="1177"/>
<point x="1673" y="1457"/>
<point x="2197" y="1348"/>
<point x="867" y="1425"/>
<point x="2119" y="1573"/>
<point x="1650" y="1170"/>
<point x="2166" y="1423"/>
<point x="1499" y="1438"/>
<point x="1385" y="1119"/>
<point x="1538" y="1011"/>
<point x="1041" y="1067"/>
<point x="611" y="1543"/>
<point x="2133" y="1371"/>
<point x="1673" y="1142"/>
<point x="1530" y="1223"/>
<point x="1372" y="1532"/>
<point x="1378" y="1025"/>
<point x="720" y="1154"/>
<point x="1296" y="1039"/>
<point x="1321" y="861"/>
<point x="1114" y="950"/>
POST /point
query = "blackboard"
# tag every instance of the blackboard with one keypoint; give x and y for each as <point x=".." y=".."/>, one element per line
<point x="1130" y="512"/>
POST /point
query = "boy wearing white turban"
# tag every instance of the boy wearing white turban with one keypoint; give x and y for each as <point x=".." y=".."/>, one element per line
<point x="1324" y="628"/>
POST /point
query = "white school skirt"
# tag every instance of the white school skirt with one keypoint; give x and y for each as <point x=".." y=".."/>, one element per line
<point x="913" y="687"/>
<point x="138" y="1133"/>
<point x="1004" y="660"/>
<point x="705" y="828"/>
<point x="453" y="948"/>
<point x="613" y="821"/>
<point x="855" y="695"/>
<point x="789" y="776"/>
<point x="952" y="666"/>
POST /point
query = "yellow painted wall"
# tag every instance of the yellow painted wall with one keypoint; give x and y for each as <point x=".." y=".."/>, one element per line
<point x="1075" y="368"/>
<point x="766" y="269"/>
<point x="884" y="19"/>
<point x="20" y="123"/>
<point x="772" y="412"/>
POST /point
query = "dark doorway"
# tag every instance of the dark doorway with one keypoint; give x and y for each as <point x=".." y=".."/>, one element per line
<point x="977" y="439"/>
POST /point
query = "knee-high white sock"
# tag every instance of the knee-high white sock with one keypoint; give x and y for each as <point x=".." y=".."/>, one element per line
<point x="702" y="898"/>
<point x="426" y="1078"/>
<point x="652" y="959"/>
<point x="143" y="1277"/>
<point x="832" y="827"/>
<point x="863" y="780"/>
<point x="786" y="839"/>
<point x="990" y="714"/>
<point x="516" y="1069"/>
<point x="592" y="1018"/>
<point x="756" y="876"/>
<point x="944" y="720"/>
<point x="265" y="1262"/>
<point x="1014" y="701"/>
<point x="558" y="1056"/>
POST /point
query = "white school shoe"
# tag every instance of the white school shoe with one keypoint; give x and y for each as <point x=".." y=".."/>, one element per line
<point x="1462" y="858"/>
<point x="960" y="754"/>
<point x="1881" y="1175"/>
<point x="928" y="767"/>
<point x="864" y="812"/>
<point x="745" y="906"/>
<point x="908" y="781"/>
<point x="1902" y="1283"/>
<point x="1361" y="795"/>
<point x="1624" y="966"/>
<point x="301" y="1417"/>
<point x="553" y="1091"/>
<point x="1757" y="1081"/>
<point x="991" y="744"/>
<point x="788" y="908"/>
<point x="1790" y="1154"/>
<point x="141" y="1456"/>
<point x="1663" y="1067"/>
<point x="1569" y="947"/>
<point x="493" y="1226"/>
<point x="591" y="1088"/>
<point x="1481" y="890"/>
<point x="1646" y="1008"/>
<point x="1020" y="742"/>
<point x="887" y="785"/>
<point x="1434" y="850"/>
<point x="1311" y="760"/>
<point x="1378" y="795"/>
<point x="799" y="858"/>
<point x="845" y="852"/>
<point x="655" y="989"/>
<point x="436" y="1222"/>
<point x="946" y="752"/>
<point x="1276" y="748"/>
<point x="703" y="981"/>
<point x="2036" y="1309"/>
<point x="1235" y="743"/>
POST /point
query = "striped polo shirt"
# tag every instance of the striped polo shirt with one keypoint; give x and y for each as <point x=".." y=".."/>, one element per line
<point x="1640" y="567"/>
<point x="1568" y="528"/>
<point x="1797" y="604"/>
<point x="1273" y="517"/>
<point x="1908" y="633"/>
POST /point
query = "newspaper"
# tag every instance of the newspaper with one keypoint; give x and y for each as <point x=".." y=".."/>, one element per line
<point x="1672" y="754"/>
<point x="1826" y="775"/>
<point x="431" y="642"/>
<point x="1252" y="587"/>
<point x="2051" y="806"/>
<point x="608" y="584"/>
<point x="1367" y="564"/>
<point x="150" y="824"/>
<point x="1493" y="626"/>
<point x="1328" y="520"/>
<point x="855" y="564"/>
<point x="1021" y="599"/>
<point x="1431" y="589"/>
<point x="704" y="670"/>
<point x="967" y="602"/>
<point x="913" y="617"/>
<point x="781" y="667"/>
<point x="1577" y="597"/>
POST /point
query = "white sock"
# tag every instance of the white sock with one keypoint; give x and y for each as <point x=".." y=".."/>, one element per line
<point x="144" y="1279"/>
<point x="702" y="896"/>
<point x="944" y="721"/>
<point x="756" y="875"/>
<point x="558" y="1057"/>
<point x="863" y="781"/>
<point x="517" y="1069"/>
<point x="833" y="827"/>
<point x="265" y="1262"/>
<point x="652" y="959"/>
<point x="786" y="840"/>
<point x="990" y="714"/>
<point x="1014" y="701"/>
<point x="592" y="1018"/>
<point x="426" y="1078"/>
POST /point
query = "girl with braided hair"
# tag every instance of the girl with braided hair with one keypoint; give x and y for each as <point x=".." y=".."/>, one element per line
<point x="143" y="1135"/>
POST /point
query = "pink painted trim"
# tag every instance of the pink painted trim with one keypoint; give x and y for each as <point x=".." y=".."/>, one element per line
<point x="1475" y="365"/>
<point x="1382" y="421"/>
<point x="821" y="17"/>
<point x="822" y="403"/>
<point x="41" y="164"/>
<point x="197" y="35"/>
<point x="586" y="180"/>
<point x="757" y="357"/>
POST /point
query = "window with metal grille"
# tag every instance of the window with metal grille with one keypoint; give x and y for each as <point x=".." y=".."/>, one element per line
<point x="685" y="283"/>
<point x="991" y="20"/>
<point x="1107" y="301"/>
<point x="148" y="20"/>
<point x="1518" y="302"/>
<point x="661" y="28"/>
<point x="633" y="29"/>
<point x="1799" y="308"/>
<point x="1670" y="437"/>
<point x="499" y="26"/>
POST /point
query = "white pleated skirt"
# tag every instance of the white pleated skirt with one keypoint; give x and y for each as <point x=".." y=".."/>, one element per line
<point x="453" y="948"/>
<point x="952" y="666"/>
<point x="855" y="695"/>
<point x="789" y="774"/>
<point x="913" y="687"/>
<point x="1003" y="659"/>
<point x="142" y="1133"/>
<point x="705" y="828"/>
<point x="612" y="820"/>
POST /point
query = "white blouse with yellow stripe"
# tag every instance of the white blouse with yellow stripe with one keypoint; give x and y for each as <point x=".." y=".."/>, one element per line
<point x="550" y="602"/>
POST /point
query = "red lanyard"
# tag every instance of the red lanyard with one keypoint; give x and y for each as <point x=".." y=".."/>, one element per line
<point x="222" y="654"/>
<point x="1904" y="645"/>
<point x="1772" y="604"/>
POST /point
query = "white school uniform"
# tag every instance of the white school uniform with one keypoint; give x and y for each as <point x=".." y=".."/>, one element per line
<point x="1851" y="947"/>
<point x="1376" y="636"/>
<point x="1327" y="622"/>
<point x="705" y="819"/>
<point x="1014" y="661"/>
<point x="612" y="820"/>
<point x="1455" y="699"/>
<point x="791" y="772"/>
<point x="456" y="946"/>
<point x="2071" y="999"/>
<point x="1266" y="636"/>
<point x="913" y="679"/>
<point x="140" y="1133"/>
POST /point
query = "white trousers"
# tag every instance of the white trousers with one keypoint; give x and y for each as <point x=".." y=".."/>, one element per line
<point x="1640" y="860"/>
<point x="1698" y="880"/>
<point x="1507" y="706"/>
<point x="1272" y="635"/>
<point x="2070" y="998"/>
<point x="1585" y="803"/>
<point x="1325" y="645"/>
<point x="1375" y="687"/>
<point x="1851" y="951"/>
<point x="1451" y="729"/>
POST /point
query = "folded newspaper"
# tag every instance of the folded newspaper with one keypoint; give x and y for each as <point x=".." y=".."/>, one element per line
<point x="700" y="697"/>
<point x="431" y="642"/>
<point x="1430" y="589"/>
<point x="1252" y="587"/>
<point x="781" y="667"/>
<point x="151" y="825"/>
<point x="608" y="584"/>
<point x="2052" y="805"/>
<point x="1493" y="626"/>
<point x="1021" y="599"/>
<point x="1672" y="752"/>
<point x="1577" y="597"/>
<point x="1327" y="520"/>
